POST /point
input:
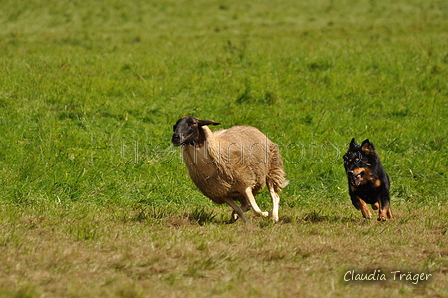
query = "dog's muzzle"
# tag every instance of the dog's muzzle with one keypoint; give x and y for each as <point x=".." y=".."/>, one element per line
<point x="355" y="179"/>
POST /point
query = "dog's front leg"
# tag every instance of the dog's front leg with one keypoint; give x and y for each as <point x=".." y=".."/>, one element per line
<point x="362" y="206"/>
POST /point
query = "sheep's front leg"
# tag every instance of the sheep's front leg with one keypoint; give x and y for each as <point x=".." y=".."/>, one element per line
<point x="236" y="209"/>
<point x="250" y="197"/>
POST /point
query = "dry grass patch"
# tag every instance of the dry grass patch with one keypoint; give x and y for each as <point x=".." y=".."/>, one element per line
<point x="43" y="256"/>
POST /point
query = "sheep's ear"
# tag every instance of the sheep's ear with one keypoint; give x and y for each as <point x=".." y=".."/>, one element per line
<point x="207" y="122"/>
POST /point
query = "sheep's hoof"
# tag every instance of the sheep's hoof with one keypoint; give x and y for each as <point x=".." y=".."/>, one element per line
<point x="265" y="214"/>
<point x="234" y="217"/>
<point x="274" y="218"/>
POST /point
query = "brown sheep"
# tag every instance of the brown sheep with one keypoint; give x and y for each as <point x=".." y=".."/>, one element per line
<point x="231" y="164"/>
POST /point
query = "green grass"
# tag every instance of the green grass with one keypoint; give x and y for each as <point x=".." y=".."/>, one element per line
<point x="94" y="200"/>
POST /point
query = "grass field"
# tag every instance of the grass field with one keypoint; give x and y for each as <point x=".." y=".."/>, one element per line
<point x="96" y="202"/>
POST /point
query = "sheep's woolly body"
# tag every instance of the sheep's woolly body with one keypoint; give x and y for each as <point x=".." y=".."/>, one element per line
<point x="232" y="160"/>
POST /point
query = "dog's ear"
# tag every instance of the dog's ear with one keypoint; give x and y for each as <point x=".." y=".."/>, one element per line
<point x="367" y="147"/>
<point x="353" y="146"/>
<point x="207" y="122"/>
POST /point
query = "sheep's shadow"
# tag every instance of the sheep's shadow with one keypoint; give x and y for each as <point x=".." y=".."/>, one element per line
<point x="212" y="218"/>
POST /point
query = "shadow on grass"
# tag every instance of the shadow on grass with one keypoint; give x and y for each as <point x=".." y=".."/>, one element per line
<point x="203" y="216"/>
<point x="318" y="217"/>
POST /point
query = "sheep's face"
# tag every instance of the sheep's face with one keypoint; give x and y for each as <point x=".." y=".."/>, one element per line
<point x="187" y="131"/>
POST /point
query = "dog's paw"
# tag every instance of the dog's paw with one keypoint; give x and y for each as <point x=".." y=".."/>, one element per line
<point x="382" y="218"/>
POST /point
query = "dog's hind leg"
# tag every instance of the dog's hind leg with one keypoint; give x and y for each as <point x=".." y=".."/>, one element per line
<point x="384" y="211"/>
<point x="389" y="213"/>
<point x="384" y="200"/>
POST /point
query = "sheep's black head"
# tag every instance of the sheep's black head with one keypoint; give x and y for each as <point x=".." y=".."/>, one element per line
<point x="187" y="131"/>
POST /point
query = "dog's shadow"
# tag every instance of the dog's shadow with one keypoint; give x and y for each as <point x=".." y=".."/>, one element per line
<point x="318" y="217"/>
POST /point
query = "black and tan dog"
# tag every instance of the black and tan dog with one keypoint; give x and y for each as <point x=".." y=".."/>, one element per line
<point x="368" y="182"/>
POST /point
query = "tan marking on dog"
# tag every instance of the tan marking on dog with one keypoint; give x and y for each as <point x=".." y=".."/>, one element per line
<point x="384" y="214"/>
<point x="358" y="171"/>
<point x="389" y="213"/>
<point x="377" y="183"/>
<point x="364" y="208"/>
<point x="367" y="149"/>
<point x="366" y="177"/>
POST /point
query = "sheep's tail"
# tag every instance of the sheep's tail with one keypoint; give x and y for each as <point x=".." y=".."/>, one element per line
<point x="276" y="173"/>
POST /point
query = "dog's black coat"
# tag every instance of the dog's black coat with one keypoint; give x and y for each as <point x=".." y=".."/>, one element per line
<point x="368" y="182"/>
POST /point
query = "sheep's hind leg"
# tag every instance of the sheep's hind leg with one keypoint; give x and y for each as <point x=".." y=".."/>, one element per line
<point x="236" y="209"/>
<point x="250" y="197"/>
<point x="275" y="201"/>
<point x="244" y="206"/>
